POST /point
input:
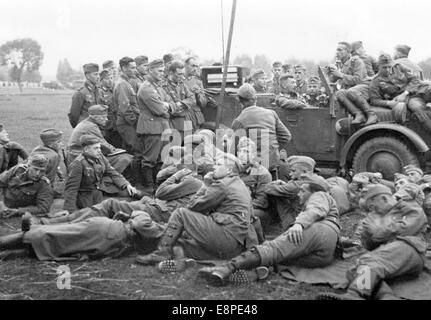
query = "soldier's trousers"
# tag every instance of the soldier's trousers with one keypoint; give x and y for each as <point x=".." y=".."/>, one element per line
<point x="128" y="133"/>
<point x="390" y="260"/>
<point x="150" y="146"/>
<point x="287" y="209"/>
<point x="203" y="238"/>
<point x="361" y="89"/>
<point x="317" y="248"/>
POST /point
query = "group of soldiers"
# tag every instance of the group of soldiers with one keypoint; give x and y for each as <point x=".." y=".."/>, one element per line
<point x="391" y="82"/>
<point x="196" y="201"/>
<point x="290" y="85"/>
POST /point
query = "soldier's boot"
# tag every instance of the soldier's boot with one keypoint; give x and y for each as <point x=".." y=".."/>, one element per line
<point x="135" y="168"/>
<point x="219" y="275"/>
<point x="350" y="107"/>
<point x="178" y="263"/>
<point x="362" y="104"/>
<point x="11" y="241"/>
<point x="148" y="180"/>
<point x="361" y="288"/>
<point x="164" y="248"/>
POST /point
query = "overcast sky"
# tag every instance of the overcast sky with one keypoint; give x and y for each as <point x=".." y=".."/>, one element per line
<point x="94" y="31"/>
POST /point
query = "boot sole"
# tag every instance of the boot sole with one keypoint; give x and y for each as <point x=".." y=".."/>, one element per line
<point x="173" y="266"/>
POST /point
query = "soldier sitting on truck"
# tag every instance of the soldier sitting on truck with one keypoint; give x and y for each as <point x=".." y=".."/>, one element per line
<point x="396" y="86"/>
<point x="351" y="73"/>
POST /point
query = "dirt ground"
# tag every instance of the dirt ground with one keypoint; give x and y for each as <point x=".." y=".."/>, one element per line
<point x="27" y="278"/>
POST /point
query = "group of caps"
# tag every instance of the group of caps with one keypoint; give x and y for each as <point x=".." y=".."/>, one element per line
<point x="109" y="65"/>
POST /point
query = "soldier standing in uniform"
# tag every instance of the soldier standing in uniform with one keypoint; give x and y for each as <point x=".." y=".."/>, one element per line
<point x="258" y="81"/>
<point x="301" y="81"/>
<point x="9" y="151"/>
<point x="24" y="188"/>
<point x="50" y="148"/>
<point x="287" y="69"/>
<point x="351" y="73"/>
<point x="395" y="239"/>
<point x="396" y="86"/>
<point x="106" y="98"/>
<point x="401" y="55"/>
<point x="86" y="96"/>
<point x="310" y="242"/>
<point x="276" y="72"/>
<point x="194" y="84"/>
<point x="155" y="105"/>
<point x="273" y="131"/>
<point x="89" y="175"/>
<point x="181" y="116"/>
<point x="126" y="104"/>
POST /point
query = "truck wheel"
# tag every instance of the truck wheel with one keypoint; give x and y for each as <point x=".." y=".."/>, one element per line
<point x="383" y="154"/>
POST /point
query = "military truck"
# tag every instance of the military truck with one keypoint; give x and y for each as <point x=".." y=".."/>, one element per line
<point x="327" y="135"/>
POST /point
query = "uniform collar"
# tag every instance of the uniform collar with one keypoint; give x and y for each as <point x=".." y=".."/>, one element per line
<point x="90" y="86"/>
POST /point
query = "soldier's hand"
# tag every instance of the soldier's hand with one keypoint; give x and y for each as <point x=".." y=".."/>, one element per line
<point x="131" y="190"/>
<point x="294" y="234"/>
<point x="401" y="97"/>
<point x="336" y="73"/>
<point x="195" y="89"/>
<point x="182" y="173"/>
<point x="8" y="213"/>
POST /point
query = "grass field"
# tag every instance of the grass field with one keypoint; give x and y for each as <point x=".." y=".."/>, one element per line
<point x="24" y="117"/>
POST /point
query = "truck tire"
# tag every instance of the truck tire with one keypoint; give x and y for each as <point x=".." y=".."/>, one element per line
<point x="387" y="155"/>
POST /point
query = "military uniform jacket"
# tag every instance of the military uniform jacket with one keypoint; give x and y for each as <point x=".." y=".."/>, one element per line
<point x="20" y="192"/>
<point x="125" y="102"/>
<point x="106" y="98"/>
<point x="153" y="118"/>
<point x="281" y="188"/>
<point x="301" y="88"/>
<point x="85" y="175"/>
<point x="9" y="154"/>
<point x="274" y="86"/>
<point x="88" y="127"/>
<point x="84" y="98"/>
<point x="228" y="202"/>
<point x="354" y="71"/>
<point x="320" y="207"/>
<point x="417" y="71"/>
<point x="53" y="161"/>
<point x="370" y="64"/>
<point x="200" y="97"/>
<point x="255" y="117"/>
<point x="256" y="177"/>
<point x="406" y="221"/>
<point x="179" y="93"/>
<point x="384" y="89"/>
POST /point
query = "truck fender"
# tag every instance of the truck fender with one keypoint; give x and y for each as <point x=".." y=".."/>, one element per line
<point x="412" y="136"/>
